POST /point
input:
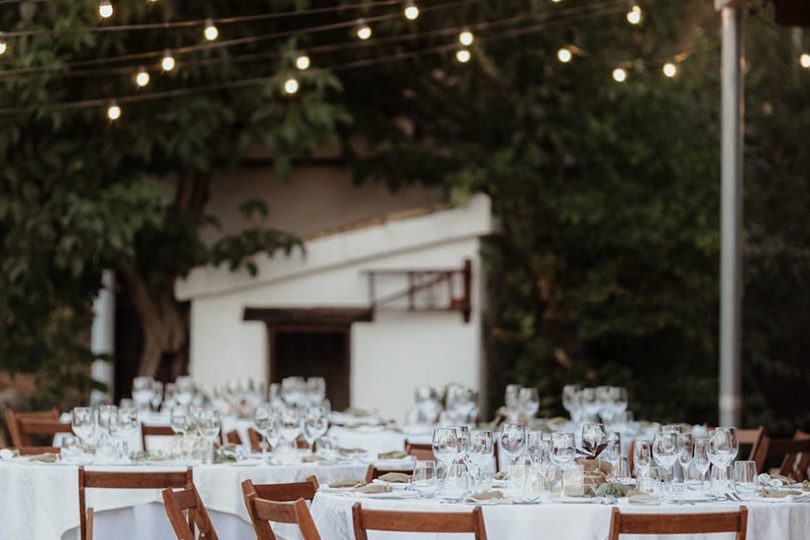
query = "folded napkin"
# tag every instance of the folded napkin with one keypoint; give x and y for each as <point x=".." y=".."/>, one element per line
<point x="394" y="454"/>
<point x="312" y="458"/>
<point x="486" y="496"/>
<point x="7" y="453"/>
<point x="346" y="483"/>
<point x="501" y="475"/>
<point x="806" y="485"/>
<point x="351" y="450"/>
<point x="47" y="457"/>
<point x="778" y="493"/>
<point x="395" y="477"/>
<point x="373" y="488"/>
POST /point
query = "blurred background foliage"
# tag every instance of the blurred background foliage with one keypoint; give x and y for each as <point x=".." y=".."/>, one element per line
<point x="606" y="268"/>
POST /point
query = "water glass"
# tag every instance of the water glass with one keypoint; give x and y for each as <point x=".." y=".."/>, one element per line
<point x="424" y="478"/>
<point x="745" y="476"/>
<point x="512" y="402"/>
<point x="316" y="424"/>
<point x="649" y="481"/>
<point x="480" y="450"/>
<point x="700" y="457"/>
<point x="512" y="440"/>
<point x="642" y="456"/>
<point x="445" y="445"/>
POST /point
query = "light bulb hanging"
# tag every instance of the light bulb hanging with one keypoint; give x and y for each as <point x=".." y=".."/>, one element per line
<point x="634" y="14"/>
<point x="804" y="60"/>
<point x="670" y="69"/>
<point x="466" y="38"/>
<point x="302" y="62"/>
<point x="211" y="32"/>
<point x="363" y="31"/>
<point x="619" y="75"/>
<point x="463" y="55"/>
<point x="291" y="86"/>
<point x="167" y="63"/>
<point x="113" y="111"/>
<point x="105" y="9"/>
<point x="411" y="10"/>
<point x="564" y="55"/>
<point x="142" y="78"/>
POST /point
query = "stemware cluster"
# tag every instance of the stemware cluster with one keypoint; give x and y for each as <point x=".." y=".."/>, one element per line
<point x="607" y="403"/>
<point x="521" y="403"/>
<point x="104" y="430"/>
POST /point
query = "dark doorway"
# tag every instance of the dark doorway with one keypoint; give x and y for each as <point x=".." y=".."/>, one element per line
<point x="312" y="342"/>
<point x="314" y="354"/>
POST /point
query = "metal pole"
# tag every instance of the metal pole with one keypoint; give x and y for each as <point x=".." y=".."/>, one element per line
<point x="731" y="290"/>
<point x="102" y="338"/>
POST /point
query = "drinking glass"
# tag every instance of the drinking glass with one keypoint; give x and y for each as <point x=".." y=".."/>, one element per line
<point x="178" y="419"/>
<point x="107" y="418"/>
<point x="424" y="478"/>
<point x="480" y="450"/>
<point x="83" y="423"/>
<point x="686" y="450"/>
<point x="563" y="452"/>
<point x="142" y="388"/>
<point x="604" y="400"/>
<point x="613" y="451"/>
<point x="210" y="427"/>
<point x="456" y="482"/>
<point x="512" y="401"/>
<point x="184" y="390"/>
<point x="745" y="476"/>
<point x="290" y="425"/>
<point x="293" y="390"/>
<point x="642" y="456"/>
<point x="169" y="393"/>
<point x="539" y="448"/>
<point x="593" y="436"/>
<point x="571" y="400"/>
<point x="445" y="446"/>
<point x="649" y="481"/>
<point x="590" y="404"/>
<point x="529" y="401"/>
<point x="513" y="440"/>
<point x="316" y="390"/>
<point x="125" y="427"/>
<point x="700" y="457"/>
<point x="157" y="395"/>
<point x="316" y="424"/>
<point x="620" y="400"/>
<point x="665" y="450"/>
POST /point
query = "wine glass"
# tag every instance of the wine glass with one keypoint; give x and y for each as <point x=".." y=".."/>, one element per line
<point x="593" y="436"/>
<point x="529" y="402"/>
<point x="107" y="418"/>
<point x="290" y="425"/>
<point x="316" y="424"/>
<point x="539" y="448"/>
<point x="463" y="438"/>
<point x="604" y="400"/>
<point x="686" y="449"/>
<point x="513" y="440"/>
<point x="178" y="419"/>
<point x="642" y="456"/>
<point x="169" y="395"/>
<point x="83" y="424"/>
<point x="316" y="390"/>
<point x="571" y="400"/>
<point x="563" y="451"/>
<point x="445" y="445"/>
<point x="157" y="395"/>
<point x="590" y="404"/>
<point x="665" y="449"/>
<point x="723" y="448"/>
<point x="210" y="427"/>
<point x="184" y="390"/>
<point x="142" y="388"/>
<point x="480" y="449"/>
<point x="512" y="401"/>
<point x="613" y="451"/>
<point x="125" y="426"/>
<point x="700" y="457"/>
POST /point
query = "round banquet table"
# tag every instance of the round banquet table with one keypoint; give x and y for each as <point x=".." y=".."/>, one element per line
<point x="41" y="501"/>
<point x="779" y="520"/>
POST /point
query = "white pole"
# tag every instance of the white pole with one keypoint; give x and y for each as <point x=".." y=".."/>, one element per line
<point x="731" y="290"/>
<point x="102" y="338"/>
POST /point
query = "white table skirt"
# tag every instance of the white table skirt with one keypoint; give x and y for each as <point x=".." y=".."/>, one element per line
<point x="556" y="521"/>
<point x="41" y="502"/>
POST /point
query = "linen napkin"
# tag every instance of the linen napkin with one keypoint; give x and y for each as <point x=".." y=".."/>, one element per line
<point x="312" y="459"/>
<point x="501" y="475"/>
<point x="395" y="477"/>
<point x="778" y="493"/>
<point x="346" y="483"/>
<point x="394" y="454"/>
<point x="47" y="457"/>
<point x="347" y="451"/>
<point x="486" y="496"/>
<point x="644" y="500"/>
<point x="372" y="489"/>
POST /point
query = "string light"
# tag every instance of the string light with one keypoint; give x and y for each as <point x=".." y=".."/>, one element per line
<point x="634" y="15"/>
<point x="167" y="63"/>
<point x="804" y="60"/>
<point x="142" y="78"/>
<point x="105" y="9"/>
<point x="211" y="32"/>
<point x="411" y="11"/>
<point x="564" y="55"/>
<point x="363" y="30"/>
<point x="3" y="45"/>
<point x="670" y="69"/>
<point x="302" y="62"/>
<point x="113" y="111"/>
<point x="466" y="38"/>
<point x="291" y="86"/>
<point x="556" y="1"/>
<point x="619" y="75"/>
<point x="463" y="55"/>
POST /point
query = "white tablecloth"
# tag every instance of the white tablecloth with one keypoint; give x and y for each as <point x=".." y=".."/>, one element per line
<point x="557" y="521"/>
<point x="39" y="501"/>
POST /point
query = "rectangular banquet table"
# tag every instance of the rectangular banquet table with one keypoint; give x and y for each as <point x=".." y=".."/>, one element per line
<point x="556" y="521"/>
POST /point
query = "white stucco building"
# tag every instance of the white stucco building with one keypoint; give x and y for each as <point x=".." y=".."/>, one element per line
<point x="316" y="313"/>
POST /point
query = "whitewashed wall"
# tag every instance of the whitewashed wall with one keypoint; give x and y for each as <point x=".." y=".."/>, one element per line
<point x="390" y="355"/>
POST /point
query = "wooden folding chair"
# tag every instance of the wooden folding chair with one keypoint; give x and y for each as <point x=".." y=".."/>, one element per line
<point x="41" y="426"/>
<point x="13" y="423"/>
<point x="154" y="431"/>
<point x="233" y="437"/>
<point x="418" y="522"/>
<point x="264" y="511"/>
<point x="255" y="440"/>
<point x="126" y="480"/>
<point x="754" y="438"/>
<point x="373" y="472"/>
<point x="801" y="462"/>
<point x="90" y="516"/>
<point x="422" y="452"/>
<point x="666" y="524"/>
<point x="290" y="491"/>
<point x="792" y="452"/>
<point x="185" y="509"/>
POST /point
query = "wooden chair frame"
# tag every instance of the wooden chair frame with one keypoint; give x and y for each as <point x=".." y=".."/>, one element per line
<point x="794" y="452"/>
<point x="154" y="431"/>
<point x="666" y="524"/>
<point x="372" y="473"/>
<point x="286" y="492"/>
<point x="282" y="503"/>
<point x="13" y="423"/>
<point x="417" y="522"/>
<point x="185" y="510"/>
<point x="422" y="452"/>
<point x="126" y="480"/>
<point x="36" y="450"/>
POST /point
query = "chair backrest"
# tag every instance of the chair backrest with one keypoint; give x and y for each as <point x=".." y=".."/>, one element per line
<point x="126" y="480"/>
<point x="255" y="440"/>
<point x="13" y="423"/>
<point x="801" y="462"/>
<point x="792" y="452"/>
<point x="37" y="450"/>
<point x="422" y="452"/>
<point x="154" y="431"/>
<point x="373" y="472"/>
<point x="263" y="512"/>
<point x="185" y="510"/>
<point x="417" y="522"/>
<point x="291" y="491"/>
<point x="664" y="524"/>
<point x="233" y="437"/>
<point x="755" y="439"/>
<point x="90" y="516"/>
